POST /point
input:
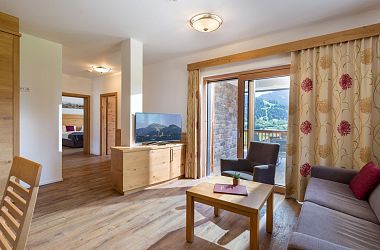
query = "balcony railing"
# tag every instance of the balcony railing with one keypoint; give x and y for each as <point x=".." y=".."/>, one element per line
<point x="264" y="135"/>
<point x="269" y="135"/>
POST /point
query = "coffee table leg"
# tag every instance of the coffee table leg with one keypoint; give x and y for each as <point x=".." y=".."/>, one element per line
<point x="216" y="211"/>
<point x="254" y="222"/>
<point x="189" y="218"/>
<point x="269" y="225"/>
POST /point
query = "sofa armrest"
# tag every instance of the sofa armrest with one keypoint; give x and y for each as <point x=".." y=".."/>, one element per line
<point x="341" y="175"/>
<point x="264" y="174"/>
<point x="235" y="165"/>
<point x="299" y="241"/>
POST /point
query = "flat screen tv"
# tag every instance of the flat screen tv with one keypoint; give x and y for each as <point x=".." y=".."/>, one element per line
<point x="158" y="127"/>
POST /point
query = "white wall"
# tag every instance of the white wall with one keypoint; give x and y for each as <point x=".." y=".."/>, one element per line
<point x="76" y="84"/>
<point x="165" y="88"/>
<point x="102" y="85"/>
<point x="41" y="71"/>
<point x="165" y="83"/>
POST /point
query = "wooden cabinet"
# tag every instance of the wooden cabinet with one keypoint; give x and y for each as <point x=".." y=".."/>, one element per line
<point x="133" y="168"/>
<point x="9" y="94"/>
<point x="177" y="161"/>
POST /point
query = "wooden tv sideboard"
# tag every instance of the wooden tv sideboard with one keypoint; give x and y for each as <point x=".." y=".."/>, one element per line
<point x="134" y="168"/>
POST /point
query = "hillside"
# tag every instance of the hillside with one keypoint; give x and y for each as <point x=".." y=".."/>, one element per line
<point x="271" y="110"/>
<point x="158" y="132"/>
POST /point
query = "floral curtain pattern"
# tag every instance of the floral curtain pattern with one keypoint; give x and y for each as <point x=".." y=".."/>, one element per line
<point x="193" y="116"/>
<point x="334" y="110"/>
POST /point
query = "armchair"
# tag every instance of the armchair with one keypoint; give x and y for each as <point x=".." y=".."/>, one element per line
<point x="259" y="165"/>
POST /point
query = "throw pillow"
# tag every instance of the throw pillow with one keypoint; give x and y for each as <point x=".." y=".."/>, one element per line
<point x="365" y="181"/>
<point x="70" y="128"/>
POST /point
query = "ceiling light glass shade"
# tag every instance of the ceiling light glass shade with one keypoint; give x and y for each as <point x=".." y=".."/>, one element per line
<point x="206" y="22"/>
<point x="101" y="69"/>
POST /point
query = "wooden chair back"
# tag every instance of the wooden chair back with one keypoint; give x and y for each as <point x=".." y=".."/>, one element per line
<point x="17" y="204"/>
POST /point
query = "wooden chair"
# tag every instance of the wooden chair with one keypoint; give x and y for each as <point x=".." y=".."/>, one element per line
<point x="17" y="204"/>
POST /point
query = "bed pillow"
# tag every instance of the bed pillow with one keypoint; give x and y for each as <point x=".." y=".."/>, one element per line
<point x="70" y="128"/>
<point x="63" y="128"/>
<point x="365" y="181"/>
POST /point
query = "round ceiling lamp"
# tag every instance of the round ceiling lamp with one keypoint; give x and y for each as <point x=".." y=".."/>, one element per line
<point x="101" y="69"/>
<point x="206" y="22"/>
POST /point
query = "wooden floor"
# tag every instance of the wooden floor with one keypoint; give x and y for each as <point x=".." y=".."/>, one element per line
<point x="66" y="151"/>
<point x="83" y="212"/>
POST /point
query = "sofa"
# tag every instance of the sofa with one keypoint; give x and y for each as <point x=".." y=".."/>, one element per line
<point x="332" y="218"/>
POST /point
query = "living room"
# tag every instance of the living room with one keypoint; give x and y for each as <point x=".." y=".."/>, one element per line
<point x="186" y="103"/>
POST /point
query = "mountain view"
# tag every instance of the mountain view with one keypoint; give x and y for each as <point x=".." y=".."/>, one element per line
<point x="271" y="110"/>
<point x="158" y="132"/>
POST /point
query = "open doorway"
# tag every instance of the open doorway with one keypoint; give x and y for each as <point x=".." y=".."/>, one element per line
<point x="75" y="124"/>
<point x="108" y="122"/>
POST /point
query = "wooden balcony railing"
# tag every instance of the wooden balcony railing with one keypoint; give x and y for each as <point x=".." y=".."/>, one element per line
<point x="269" y="135"/>
<point x="263" y="135"/>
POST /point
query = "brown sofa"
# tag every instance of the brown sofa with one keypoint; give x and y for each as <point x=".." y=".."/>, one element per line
<point x="332" y="218"/>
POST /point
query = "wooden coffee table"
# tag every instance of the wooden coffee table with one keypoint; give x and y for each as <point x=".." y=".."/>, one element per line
<point x="258" y="194"/>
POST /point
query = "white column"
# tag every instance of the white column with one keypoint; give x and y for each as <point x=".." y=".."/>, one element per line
<point x="131" y="87"/>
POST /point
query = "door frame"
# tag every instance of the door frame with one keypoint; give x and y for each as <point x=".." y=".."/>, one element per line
<point x="101" y="120"/>
<point x="241" y="77"/>
<point x="86" y="119"/>
<point x="251" y="76"/>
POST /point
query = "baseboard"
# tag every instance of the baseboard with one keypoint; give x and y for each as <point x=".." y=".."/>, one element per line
<point x="51" y="181"/>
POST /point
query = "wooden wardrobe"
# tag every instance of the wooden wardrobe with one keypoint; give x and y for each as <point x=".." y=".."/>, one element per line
<point x="9" y="94"/>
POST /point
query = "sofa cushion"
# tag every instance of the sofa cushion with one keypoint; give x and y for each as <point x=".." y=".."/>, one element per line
<point x="338" y="196"/>
<point x="299" y="241"/>
<point x="245" y="175"/>
<point x="374" y="201"/>
<point x="365" y="181"/>
<point x="338" y="228"/>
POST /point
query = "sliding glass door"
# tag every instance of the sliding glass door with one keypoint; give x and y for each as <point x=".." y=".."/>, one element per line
<point x="266" y="104"/>
<point x="247" y="107"/>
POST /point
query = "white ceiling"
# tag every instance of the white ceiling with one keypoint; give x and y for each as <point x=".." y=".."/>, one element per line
<point x="91" y="31"/>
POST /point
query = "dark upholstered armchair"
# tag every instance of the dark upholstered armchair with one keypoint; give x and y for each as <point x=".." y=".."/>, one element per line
<point x="260" y="164"/>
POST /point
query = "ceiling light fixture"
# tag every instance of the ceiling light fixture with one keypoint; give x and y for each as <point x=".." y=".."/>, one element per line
<point x="100" y="69"/>
<point x="206" y="22"/>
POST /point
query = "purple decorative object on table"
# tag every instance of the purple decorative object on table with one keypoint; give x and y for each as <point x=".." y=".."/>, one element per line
<point x="230" y="189"/>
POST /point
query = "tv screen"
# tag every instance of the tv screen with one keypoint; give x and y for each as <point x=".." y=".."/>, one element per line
<point x="158" y="127"/>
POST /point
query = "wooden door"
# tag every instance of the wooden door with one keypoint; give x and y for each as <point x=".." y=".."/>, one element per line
<point x="6" y="106"/>
<point x="111" y="123"/>
<point x="108" y="121"/>
<point x="103" y="126"/>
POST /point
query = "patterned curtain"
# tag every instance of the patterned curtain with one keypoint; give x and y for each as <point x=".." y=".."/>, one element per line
<point x="193" y="116"/>
<point x="334" y="110"/>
